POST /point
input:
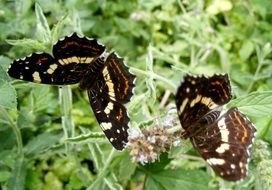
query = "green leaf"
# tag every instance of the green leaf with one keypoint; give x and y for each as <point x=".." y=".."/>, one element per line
<point x="52" y="181"/>
<point x="22" y="7"/>
<point x="90" y="137"/>
<point x="43" y="30"/>
<point x="8" y="138"/>
<point x="175" y="179"/>
<point x="246" y="50"/>
<point x="5" y="117"/>
<point x="28" y="43"/>
<point x="150" y="80"/>
<point x="159" y="165"/>
<point x="126" y="168"/>
<point x="41" y="142"/>
<point x="7" y="95"/>
<point x="150" y="4"/>
<point x="33" y="180"/>
<point x="257" y="104"/>
<point x="152" y="184"/>
<point x="40" y="101"/>
<point x="57" y="28"/>
<point x="17" y="179"/>
<point x="3" y="73"/>
<point x="4" y="175"/>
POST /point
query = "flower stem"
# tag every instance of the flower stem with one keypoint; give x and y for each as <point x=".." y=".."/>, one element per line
<point x="65" y="100"/>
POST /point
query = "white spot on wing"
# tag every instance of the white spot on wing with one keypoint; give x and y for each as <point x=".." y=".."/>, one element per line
<point x="61" y="62"/>
<point x="222" y="148"/>
<point x="196" y="100"/>
<point x="216" y="161"/>
<point x="52" y="68"/>
<point x="36" y="76"/>
<point x="106" y="125"/>
<point x="183" y="105"/>
<point x="223" y="130"/>
<point x="89" y="60"/>
<point x="108" y="108"/>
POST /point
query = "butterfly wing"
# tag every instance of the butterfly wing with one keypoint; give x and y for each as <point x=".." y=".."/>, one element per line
<point x="112" y="89"/>
<point x="197" y="96"/>
<point x="225" y="144"/>
<point x="73" y="55"/>
<point x="82" y="48"/>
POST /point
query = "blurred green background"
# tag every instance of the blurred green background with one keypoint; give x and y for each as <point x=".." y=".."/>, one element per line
<point x="161" y="41"/>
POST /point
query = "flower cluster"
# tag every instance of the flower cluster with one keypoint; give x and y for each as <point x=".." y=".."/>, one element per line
<point x="147" y="144"/>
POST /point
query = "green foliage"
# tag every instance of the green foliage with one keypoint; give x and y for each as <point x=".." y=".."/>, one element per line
<point x="175" y="179"/>
<point x="48" y="142"/>
<point x="258" y="104"/>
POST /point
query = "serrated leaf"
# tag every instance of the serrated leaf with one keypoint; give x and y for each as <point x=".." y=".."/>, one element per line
<point x="90" y="137"/>
<point x="5" y="117"/>
<point x="17" y="178"/>
<point x="57" y="28"/>
<point x="7" y="95"/>
<point x="40" y="101"/>
<point x="178" y="179"/>
<point x="3" y="74"/>
<point x="43" y="30"/>
<point x="41" y="142"/>
<point x="28" y="43"/>
<point x="257" y="104"/>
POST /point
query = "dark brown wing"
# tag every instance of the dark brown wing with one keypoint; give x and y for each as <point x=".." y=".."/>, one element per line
<point x="73" y="56"/>
<point x="112" y="89"/>
<point x="111" y="116"/>
<point x="225" y="145"/>
<point x="80" y="47"/>
<point x="197" y="96"/>
<point x="118" y="74"/>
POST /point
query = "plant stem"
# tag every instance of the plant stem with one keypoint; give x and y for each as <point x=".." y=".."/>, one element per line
<point x="260" y="64"/>
<point x="104" y="170"/>
<point x="171" y="85"/>
<point x="16" y="130"/>
<point x="65" y="99"/>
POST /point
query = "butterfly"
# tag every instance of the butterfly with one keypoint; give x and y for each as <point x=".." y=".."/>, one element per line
<point x="79" y="59"/>
<point x="222" y="139"/>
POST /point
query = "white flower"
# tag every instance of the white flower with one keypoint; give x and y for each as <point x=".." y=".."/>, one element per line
<point x="134" y="133"/>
